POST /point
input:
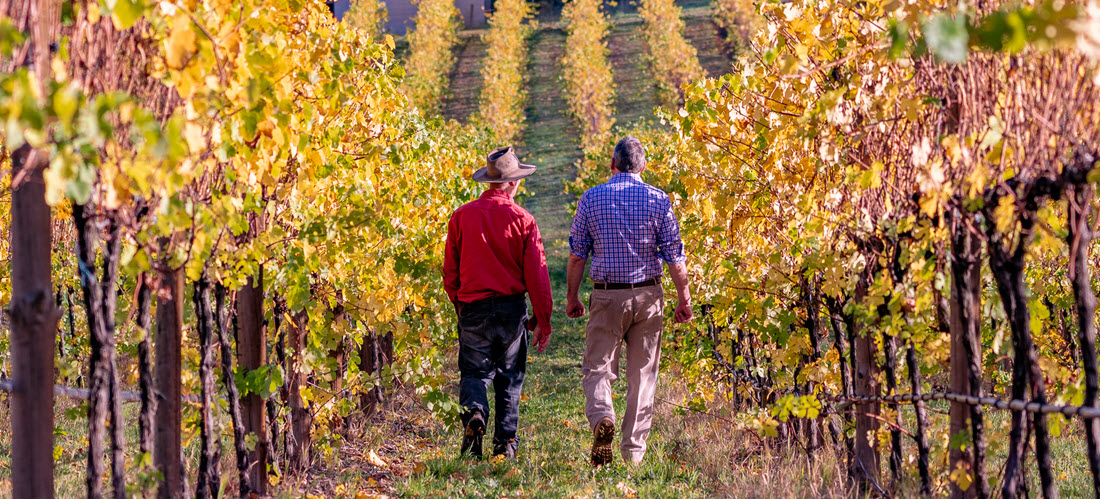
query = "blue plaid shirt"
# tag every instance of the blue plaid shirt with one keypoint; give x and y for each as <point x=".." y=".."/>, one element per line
<point x="628" y="228"/>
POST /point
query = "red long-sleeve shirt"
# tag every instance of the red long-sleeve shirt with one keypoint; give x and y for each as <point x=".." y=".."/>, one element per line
<point x="494" y="249"/>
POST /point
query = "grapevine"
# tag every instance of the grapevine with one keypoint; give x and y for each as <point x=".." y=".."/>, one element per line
<point x="586" y="71"/>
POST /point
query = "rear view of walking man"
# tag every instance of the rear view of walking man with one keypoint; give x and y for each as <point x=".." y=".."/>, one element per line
<point x="628" y="228"/>
<point x="494" y="255"/>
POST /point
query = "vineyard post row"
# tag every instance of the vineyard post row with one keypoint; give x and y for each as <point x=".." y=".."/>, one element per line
<point x="793" y="246"/>
<point x="824" y="186"/>
<point x="247" y="153"/>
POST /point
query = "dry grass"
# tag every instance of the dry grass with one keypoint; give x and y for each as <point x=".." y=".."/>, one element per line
<point x="735" y="462"/>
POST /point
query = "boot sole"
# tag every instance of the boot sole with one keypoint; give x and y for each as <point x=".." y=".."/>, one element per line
<point x="601" y="445"/>
<point x="471" y="443"/>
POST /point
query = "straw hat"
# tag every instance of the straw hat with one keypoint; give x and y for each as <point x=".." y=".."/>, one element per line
<point x="502" y="165"/>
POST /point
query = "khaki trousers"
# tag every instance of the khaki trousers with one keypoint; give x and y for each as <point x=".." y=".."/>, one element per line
<point x="634" y="316"/>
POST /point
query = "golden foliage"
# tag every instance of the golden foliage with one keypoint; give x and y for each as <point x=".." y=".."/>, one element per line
<point x="369" y="16"/>
<point x="673" y="62"/>
<point x="586" y="70"/>
<point x="431" y="53"/>
<point x="504" y="69"/>
<point x="737" y="21"/>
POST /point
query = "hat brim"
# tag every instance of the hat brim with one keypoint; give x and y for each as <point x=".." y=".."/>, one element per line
<point x="524" y="170"/>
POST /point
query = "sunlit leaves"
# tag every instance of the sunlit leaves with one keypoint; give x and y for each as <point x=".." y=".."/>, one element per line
<point x="180" y="44"/>
<point x="947" y="37"/>
<point x="124" y="13"/>
<point x="503" y="98"/>
<point x="586" y="71"/>
<point x="10" y="37"/>
<point x="430" y="56"/>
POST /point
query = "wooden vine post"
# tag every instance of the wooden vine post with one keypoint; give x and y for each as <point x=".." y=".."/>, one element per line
<point x="251" y="355"/>
<point x="865" y="456"/>
<point x="1080" y="194"/>
<point x="167" y="451"/>
<point x="298" y="444"/>
<point x="34" y="320"/>
<point x="32" y="311"/>
<point x="966" y="367"/>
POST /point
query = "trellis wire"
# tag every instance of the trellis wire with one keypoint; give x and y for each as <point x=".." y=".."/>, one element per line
<point x="61" y="391"/>
<point x="1012" y="404"/>
<point x="845" y="401"/>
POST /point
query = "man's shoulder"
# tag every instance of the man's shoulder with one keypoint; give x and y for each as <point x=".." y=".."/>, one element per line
<point x="606" y="188"/>
<point x="470" y="205"/>
<point x="521" y="213"/>
<point x="655" y="191"/>
<point x="596" y="191"/>
<point x="479" y="204"/>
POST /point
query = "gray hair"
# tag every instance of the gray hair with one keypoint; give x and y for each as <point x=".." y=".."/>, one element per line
<point x="629" y="155"/>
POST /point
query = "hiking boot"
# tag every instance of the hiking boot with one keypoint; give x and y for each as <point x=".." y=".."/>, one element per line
<point x="475" y="430"/>
<point x="603" y="434"/>
<point x="507" y="449"/>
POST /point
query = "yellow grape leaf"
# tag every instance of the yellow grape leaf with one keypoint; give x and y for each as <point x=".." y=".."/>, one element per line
<point x="961" y="475"/>
<point x="180" y="43"/>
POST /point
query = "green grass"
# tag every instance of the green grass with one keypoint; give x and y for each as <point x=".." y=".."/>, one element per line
<point x="461" y="101"/>
<point x="553" y="458"/>
<point x="550" y="142"/>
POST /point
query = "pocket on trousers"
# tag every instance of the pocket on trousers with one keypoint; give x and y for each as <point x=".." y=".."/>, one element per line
<point x="473" y="319"/>
<point x="598" y="302"/>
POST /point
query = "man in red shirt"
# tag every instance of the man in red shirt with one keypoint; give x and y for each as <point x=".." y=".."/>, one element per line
<point x="494" y="255"/>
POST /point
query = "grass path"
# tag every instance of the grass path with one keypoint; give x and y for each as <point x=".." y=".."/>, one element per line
<point x="549" y="142"/>
<point x="702" y="33"/>
<point x="634" y="89"/>
<point x="554" y="433"/>
<point x="554" y="443"/>
<point x="462" y="100"/>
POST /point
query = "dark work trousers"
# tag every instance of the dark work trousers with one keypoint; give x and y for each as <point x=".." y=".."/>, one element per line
<point x="492" y="347"/>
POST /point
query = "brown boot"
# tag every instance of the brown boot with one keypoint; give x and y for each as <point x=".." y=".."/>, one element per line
<point x="471" y="442"/>
<point x="603" y="435"/>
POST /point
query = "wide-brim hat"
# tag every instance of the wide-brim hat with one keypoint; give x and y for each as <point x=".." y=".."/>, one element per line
<point x="502" y="165"/>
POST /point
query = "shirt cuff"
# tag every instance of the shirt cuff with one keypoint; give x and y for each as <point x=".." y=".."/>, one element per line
<point x="679" y="259"/>
<point x="533" y="321"/>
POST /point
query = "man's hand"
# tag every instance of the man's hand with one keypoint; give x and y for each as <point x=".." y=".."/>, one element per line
<point x="683" y="312"/>
<point x="542" y="337"/>
<point x="574" y="308"/>
<point x="679" y="274"/>
<point x="574" y="275"/>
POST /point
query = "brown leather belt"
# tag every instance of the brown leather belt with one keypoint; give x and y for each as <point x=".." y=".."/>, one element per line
<point x="625" y="286"/>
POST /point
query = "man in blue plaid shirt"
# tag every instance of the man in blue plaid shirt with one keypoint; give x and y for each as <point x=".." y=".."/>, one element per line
<point x="628" y="228"/>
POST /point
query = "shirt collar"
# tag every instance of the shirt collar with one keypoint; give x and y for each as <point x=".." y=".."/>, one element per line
<point x="625" y="177"/>
<point x="495" y="193"/>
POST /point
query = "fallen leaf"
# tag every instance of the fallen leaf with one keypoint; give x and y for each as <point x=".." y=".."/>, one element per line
<point x="375" y="460"/>
<point x="627" y="491"/>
